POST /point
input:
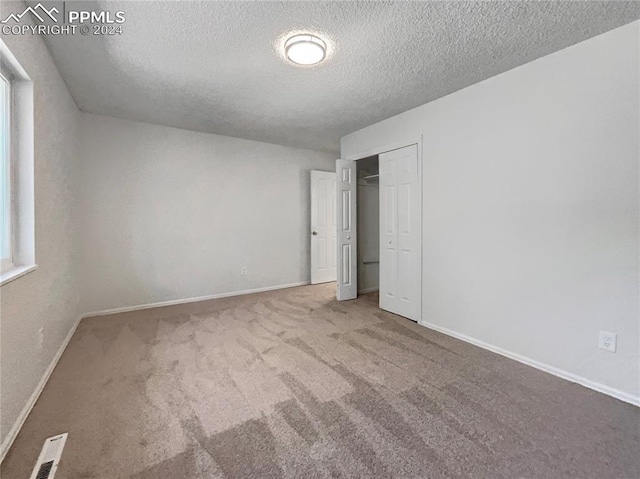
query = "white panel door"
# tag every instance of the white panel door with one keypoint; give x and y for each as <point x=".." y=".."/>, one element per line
<point x="347" y="230"/>
<point x="400" y="272"/>
<point x="323" y="226"/>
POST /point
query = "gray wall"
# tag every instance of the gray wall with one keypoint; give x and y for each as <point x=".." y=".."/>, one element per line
<point x="530" y="204"/>
<point x="170" y="214"/>
<point x="45" y="302"/>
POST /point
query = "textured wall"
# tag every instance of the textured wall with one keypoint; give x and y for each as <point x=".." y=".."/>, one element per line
<point x="46" y="299"/>
<point x="170" y="214"/>
<point x="530" y="202"/>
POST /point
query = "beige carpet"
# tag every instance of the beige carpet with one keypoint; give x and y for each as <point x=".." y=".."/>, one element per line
<point x="294" y="384"/>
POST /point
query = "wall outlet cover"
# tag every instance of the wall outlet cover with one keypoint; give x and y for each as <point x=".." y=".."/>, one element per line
<point x="607" y="341"/>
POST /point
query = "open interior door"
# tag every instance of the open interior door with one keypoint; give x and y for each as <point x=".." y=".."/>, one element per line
<point x="323" y="226"/>
<point x="347" y="230"/>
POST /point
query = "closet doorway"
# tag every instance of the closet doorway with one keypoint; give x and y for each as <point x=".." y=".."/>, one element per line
<point x="379" y="229"/>
<point x="368" y="237"/>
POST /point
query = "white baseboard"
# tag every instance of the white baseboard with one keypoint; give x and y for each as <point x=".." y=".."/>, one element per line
<point x="368" y="290"/>
<point x="13" y="432"/>
<point x="127" y="309"/>
<point x="616" y="393"/>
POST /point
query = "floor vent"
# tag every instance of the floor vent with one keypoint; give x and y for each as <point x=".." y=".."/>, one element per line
<point x="45" y="470"/>
<point x="49" y="457"/>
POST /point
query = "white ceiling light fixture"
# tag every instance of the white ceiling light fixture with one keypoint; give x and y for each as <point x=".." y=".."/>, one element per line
<point x="305" y="49"/>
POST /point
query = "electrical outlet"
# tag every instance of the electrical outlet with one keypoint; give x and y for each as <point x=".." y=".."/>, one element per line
<point x="607" y="341"/>
<point x="243" y="271"/>
<point x="40" y="337"/>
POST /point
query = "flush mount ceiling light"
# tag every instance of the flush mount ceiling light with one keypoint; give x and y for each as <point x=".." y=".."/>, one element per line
<point x="305" y="49"/>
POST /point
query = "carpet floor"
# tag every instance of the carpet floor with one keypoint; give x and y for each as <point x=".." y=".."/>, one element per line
<point x="294" y="384"/>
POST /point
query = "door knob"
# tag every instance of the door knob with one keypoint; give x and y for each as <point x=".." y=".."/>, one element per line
<point x="389" y="242"/>
<point x="314" y="233"/>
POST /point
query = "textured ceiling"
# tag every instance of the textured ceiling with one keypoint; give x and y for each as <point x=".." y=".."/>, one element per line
<point x="216" y="67"/>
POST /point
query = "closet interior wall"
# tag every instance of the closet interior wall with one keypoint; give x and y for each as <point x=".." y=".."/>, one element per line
<point x="368" y="225"/>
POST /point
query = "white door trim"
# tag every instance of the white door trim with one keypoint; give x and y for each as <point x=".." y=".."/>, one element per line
<point x="396" y="145"/>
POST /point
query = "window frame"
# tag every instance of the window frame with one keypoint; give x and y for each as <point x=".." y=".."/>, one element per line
<point x="6" y="263"/>
<point x="20" y="166"/>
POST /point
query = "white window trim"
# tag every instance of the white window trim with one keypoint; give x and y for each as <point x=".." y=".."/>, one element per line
<point x="22" y="169"/>
<point x="15" y="273"/>
<point x="7" y="263"/>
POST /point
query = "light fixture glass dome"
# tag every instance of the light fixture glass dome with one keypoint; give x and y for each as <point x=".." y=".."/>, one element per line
<point x="305" y="49"/>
